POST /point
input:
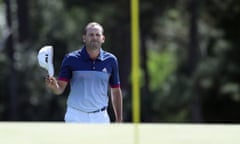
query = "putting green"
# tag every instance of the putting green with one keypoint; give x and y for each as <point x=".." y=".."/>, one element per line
<point x="62" y="133"/>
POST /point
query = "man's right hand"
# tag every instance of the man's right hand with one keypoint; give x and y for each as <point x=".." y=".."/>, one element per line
<point x="51" y="83"/>
<point x="55" y="85"/>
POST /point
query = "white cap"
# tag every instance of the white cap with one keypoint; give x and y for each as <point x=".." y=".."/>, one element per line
<point x="45" y="59"/>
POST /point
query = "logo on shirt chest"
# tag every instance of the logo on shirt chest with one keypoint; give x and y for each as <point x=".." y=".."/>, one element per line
<point x="104" y="70"/>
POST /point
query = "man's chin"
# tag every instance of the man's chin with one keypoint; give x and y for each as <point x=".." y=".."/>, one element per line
<point x="94" y="47"/>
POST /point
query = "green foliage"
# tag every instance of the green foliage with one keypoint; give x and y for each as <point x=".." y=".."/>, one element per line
<point x="160" y="65"/>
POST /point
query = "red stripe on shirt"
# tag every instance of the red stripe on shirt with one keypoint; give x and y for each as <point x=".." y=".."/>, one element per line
<point x="63" y="79"/>
<point x="115" y="86"/>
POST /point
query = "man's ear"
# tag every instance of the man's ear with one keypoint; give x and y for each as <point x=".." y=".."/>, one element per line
<point x="103" y="38"/>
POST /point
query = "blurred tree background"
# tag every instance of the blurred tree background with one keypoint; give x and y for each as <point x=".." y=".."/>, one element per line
<point x="189" y="56"/>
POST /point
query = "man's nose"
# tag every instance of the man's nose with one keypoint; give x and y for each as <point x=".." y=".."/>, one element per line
<point x="94" y="37"/>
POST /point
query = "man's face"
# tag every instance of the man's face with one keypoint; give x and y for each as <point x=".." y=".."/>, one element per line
<point x="94" y="38"/>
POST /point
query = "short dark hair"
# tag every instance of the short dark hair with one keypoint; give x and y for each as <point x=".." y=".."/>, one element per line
<point x="92" y="24"/>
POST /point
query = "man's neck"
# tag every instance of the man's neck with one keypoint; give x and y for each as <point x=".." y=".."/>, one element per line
<point x="93" y="53"/>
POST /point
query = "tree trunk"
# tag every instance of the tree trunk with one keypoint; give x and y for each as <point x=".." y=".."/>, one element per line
<point x="23" y="20"/>
<point x="12" y="83"/>
<point x="196" y="108"/>
<point x="145" y="92"/>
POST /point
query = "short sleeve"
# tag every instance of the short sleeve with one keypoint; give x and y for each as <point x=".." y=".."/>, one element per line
<point x="114" y="78"/>
<point x="65" y="73"/>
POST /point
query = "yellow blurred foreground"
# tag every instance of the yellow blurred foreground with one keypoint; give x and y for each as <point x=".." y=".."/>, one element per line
<point x="62" y="133"/>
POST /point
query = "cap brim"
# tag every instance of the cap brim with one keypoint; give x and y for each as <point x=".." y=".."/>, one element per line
<point x="50" y="62"/>
<point x="45" y="59"/>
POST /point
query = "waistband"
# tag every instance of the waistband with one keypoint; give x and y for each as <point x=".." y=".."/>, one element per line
<point x="99" y="110"/>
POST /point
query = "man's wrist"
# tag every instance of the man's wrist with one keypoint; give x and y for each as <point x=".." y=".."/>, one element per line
<point x="119" y="120"/>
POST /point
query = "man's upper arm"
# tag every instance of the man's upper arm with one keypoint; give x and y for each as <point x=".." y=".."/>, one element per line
<point x="114" y="79"/>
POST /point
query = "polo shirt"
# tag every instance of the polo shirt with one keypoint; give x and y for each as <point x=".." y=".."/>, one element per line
<point x="89" y="79"/>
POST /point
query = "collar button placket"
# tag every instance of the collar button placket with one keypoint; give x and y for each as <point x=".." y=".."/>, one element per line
<point x="93" y="67"/>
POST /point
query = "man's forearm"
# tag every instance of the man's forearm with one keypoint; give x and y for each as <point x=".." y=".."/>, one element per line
<point x="117" y="105"/>
<point x="57" y="90"/>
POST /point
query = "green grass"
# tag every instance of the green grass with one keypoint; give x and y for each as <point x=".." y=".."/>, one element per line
<point x="61" y="133"/>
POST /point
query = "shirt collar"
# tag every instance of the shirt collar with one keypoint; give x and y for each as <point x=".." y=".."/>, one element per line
<point x="87" y="57"/>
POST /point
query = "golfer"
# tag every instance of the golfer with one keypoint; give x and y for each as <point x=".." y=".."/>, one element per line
<point x="90" y="71"/>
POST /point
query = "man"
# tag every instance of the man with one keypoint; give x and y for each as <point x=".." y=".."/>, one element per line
<point x="89" y="70"/>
